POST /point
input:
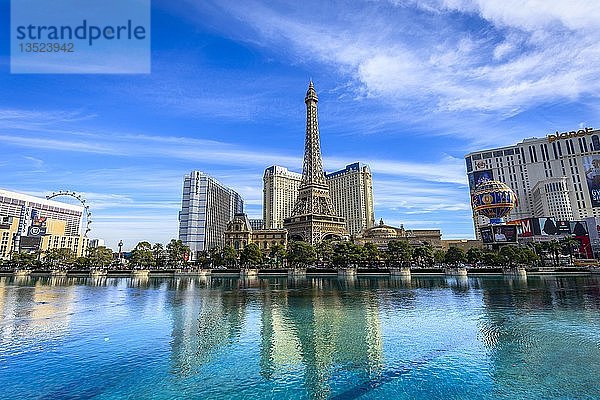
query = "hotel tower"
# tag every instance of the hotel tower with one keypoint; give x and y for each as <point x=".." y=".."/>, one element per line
<point x="557" y="176"/>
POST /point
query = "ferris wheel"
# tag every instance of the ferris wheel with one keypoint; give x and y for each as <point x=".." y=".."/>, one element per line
<point x="87" y="215"/>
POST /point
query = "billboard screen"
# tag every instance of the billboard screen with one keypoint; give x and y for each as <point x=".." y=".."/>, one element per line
<point x="505" y="234"/>
<point x="547" y="226"/>
<point x="486" y="235"/>
<point x="36" y="231"/>
<point x="593" y="224"/>
<point x="37" y="226"/>
<point x="563" y="227"/>
<point x="525" y="227"/>
<point x="499" y="234"/>
<point x="578" y="228"/>
<point x="30" y="243"/>
<point x="585" y="247"/>
<point x="480" y="176"/>
<point x="591" y="166"/>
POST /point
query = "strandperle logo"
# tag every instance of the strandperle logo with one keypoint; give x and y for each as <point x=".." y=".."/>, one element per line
<point x="85" y="31"/>
<point x="80" y="36"/>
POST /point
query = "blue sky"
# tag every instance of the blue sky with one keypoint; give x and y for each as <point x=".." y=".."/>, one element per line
<point x="407" y="87"/>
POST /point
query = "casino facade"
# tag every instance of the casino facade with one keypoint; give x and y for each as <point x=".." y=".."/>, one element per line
<point x="556" y="177"/>
<point x="33" y="224"/>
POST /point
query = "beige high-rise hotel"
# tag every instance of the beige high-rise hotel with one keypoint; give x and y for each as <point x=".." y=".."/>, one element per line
<point x="351" y="191"/>
<point x="556" y="176"/>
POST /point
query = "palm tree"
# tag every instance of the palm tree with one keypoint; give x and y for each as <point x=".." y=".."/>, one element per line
<point x="554" y="247"/>
<point x="540" y="250"/>
<point x="569" y="243"/>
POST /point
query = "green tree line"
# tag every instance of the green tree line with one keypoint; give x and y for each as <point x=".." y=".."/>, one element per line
<point x="327" y="254"/>
<point x="145" y="255"/>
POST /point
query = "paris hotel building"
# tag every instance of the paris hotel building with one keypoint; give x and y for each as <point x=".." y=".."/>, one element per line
<point x="554" y="176"/>
<point x="351" y="191"/>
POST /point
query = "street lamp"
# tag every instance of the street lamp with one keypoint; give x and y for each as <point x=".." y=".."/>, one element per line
<point x="120" y="250"/>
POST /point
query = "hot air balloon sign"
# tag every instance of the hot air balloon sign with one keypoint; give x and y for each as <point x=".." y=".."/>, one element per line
<point x="493" y="199"/>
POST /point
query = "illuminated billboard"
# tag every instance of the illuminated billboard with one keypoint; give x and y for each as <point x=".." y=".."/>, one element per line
<point x="30" y="243"/>
<point x="578" y="228"/>
<point x="38" y="224"/>
<point x="478" y="177"/>
<point x="585" y="247"/>
<point x="487" y="236"/>
<point x="525" y="227"/>
<point x="591" y="165"/>
<point x="499" y="234"/>
<point x="505" y="233"/>
<point x="36" y="231"/>
<point x="547" y="226"/>
<point x="563" y="228"/>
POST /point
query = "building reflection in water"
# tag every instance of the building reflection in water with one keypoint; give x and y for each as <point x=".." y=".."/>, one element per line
<point x="324" y="332"/>
<point x="204" y="321"/>
<point x="44" y="309"/>
<point x="321" y="331"/>
<point x="324" y="335"/>
<point x="33" y="309"/>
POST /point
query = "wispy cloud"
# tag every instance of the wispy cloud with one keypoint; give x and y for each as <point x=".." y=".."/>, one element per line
<point x="448" y="169"/>
<point x="520" y="54"/>
<point x="37" y="164"/>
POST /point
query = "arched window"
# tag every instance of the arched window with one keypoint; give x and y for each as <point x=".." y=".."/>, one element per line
<point x="236" y="245"/>
<point x="595" y="143"/>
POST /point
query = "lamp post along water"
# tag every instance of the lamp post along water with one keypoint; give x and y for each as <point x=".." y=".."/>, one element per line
<point x="120" y="251"/>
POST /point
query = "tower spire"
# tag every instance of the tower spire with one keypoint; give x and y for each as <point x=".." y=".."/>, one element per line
<point x="312" y="170"/>
<point x="313" y="217"/>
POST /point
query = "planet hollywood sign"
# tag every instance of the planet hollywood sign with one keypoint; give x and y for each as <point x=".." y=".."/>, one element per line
<point x="571" y="134"/>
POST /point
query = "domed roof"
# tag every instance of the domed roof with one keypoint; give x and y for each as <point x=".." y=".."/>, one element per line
<point x="493" y="199"/>
<point x="383" y="230"/>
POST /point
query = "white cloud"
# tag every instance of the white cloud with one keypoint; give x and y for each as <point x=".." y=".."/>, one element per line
<point x="532" y="51"/>
<point x="532" y="15"/>
<point x="210" y="152"/>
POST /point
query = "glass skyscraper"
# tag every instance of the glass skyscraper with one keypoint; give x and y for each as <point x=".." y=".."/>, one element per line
<point x="206" y="208"/>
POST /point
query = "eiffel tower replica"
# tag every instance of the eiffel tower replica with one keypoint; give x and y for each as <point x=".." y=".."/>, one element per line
<point x="313" y="218"/>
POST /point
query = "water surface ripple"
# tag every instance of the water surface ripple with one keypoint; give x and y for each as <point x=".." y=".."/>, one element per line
<point x="300" y="338"/>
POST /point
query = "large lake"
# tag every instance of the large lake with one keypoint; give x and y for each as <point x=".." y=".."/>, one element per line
<point x="306" y="338"/>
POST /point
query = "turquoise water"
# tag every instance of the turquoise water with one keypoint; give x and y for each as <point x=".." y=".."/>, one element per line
<point x="315" y="338"/>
